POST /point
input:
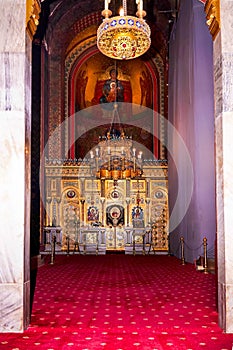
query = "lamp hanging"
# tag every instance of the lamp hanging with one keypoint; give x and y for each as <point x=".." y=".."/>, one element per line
<point x="123" y="37"/>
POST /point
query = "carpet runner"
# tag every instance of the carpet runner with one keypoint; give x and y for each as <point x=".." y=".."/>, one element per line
<point x="121" y="302"/>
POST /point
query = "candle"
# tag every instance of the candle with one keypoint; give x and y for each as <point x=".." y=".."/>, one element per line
<point x="92" y="154"/>
<point x="134" y="152"/>
<point x="121" y="11"/>
<point x="109" y="150"/>
<point x="97" y="151"/>
<point x="106" y="5"/>
<point x="140" y="5"/>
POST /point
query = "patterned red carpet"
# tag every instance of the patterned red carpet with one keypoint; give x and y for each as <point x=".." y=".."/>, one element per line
<point x="121" y="302"/>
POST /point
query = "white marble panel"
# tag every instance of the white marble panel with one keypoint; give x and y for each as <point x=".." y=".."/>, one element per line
<point x="224" y="179"/>
<point x="12" y="25"/>
<point x="224" y="163"/>
<point x="220" y="199"/>
<point x="12" y="175"/>
<point x="222" y="305"/>
<point x="12" y="75"/>
<point x="227" y="126"/>
<point x="223" y="79"/>
<point x="226" y="22"/>
<point x="15" y="130"/>
<point x="28" y="76"/>
<point x="15" y="223"/>
<point x="217" y="48"/>
<point x="218" y="84"/>
<point x="229" y="308"/>
<point x="225" y="307"/>
<point x="11" y="308"/>
<point x="227" y="82"/>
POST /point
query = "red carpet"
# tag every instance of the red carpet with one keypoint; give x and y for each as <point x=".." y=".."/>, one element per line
<point x="121" y="302"/>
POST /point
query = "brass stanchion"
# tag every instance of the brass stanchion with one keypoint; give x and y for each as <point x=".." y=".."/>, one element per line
<point x="53" y="250"/>
<point x="205" y="263"/>
<point x="182" y="250"/>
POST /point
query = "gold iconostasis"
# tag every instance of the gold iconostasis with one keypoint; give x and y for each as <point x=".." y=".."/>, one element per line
<point x="110" y="200"/>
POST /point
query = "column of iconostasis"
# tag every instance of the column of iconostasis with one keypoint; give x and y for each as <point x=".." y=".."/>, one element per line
<point x="74" y="202"/>
<point x="159" y="215"/>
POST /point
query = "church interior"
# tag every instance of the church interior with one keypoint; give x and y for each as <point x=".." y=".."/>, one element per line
<point x="121" y="154"/>
<point x="104" y="160"/>
<point x="106" y="180"/>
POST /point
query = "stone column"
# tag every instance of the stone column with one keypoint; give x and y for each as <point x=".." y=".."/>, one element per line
<point x="220" y="15"/>
<point x="15" y="131"/>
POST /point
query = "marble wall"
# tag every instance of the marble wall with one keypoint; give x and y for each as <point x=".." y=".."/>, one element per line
<point x="223" y="81"/>
<point x="15" y="109"/>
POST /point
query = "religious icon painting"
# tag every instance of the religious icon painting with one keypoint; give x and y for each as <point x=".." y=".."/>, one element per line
<point x="115" y="194"/>
<point x="115" y="212"/>
<point x="70" y="194"/>
<point x="115" y="215"/>
<point x="159" y="194"/>
<point x="93" y="213"/>
<point x="137" y="213"/>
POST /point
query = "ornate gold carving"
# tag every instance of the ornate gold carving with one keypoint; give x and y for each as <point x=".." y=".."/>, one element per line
<point x="212" y="10"/>
<point x="33" y="9"/>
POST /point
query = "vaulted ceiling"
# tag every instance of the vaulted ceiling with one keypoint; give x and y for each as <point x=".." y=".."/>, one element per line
<point x="60" y="17"/>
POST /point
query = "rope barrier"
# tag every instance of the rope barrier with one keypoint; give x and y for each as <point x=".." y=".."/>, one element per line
<point x="193" y="249"/>
<point x="207" y="253"/>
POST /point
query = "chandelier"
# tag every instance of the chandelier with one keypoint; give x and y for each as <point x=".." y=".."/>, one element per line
<point x="115" y="159"/>
<point x="123" y="37"/>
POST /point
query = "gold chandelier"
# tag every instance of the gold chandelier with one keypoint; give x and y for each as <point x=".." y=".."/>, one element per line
<point x="120" y="161"/>
<point x="123" y="37"/>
